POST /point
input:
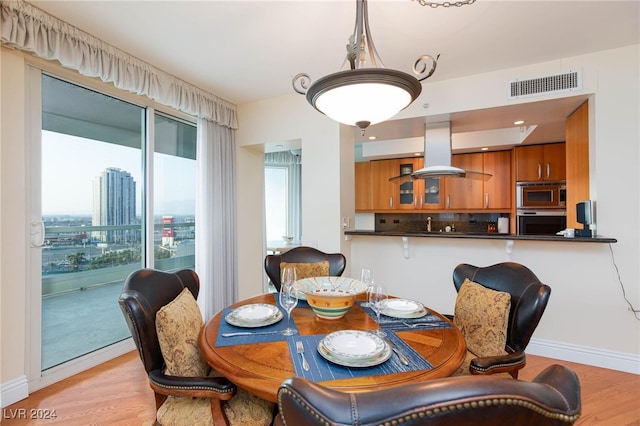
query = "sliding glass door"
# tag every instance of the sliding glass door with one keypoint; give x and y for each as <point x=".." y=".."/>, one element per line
<point x="113" y="200"/>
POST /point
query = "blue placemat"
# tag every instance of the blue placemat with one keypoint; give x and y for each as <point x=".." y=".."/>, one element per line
<point x="322" y="370"/>
<point x="225" y="327"/>
<point x="427" y="322"/>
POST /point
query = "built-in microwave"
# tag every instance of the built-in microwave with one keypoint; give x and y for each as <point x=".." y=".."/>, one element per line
<point x="541" y="195"/>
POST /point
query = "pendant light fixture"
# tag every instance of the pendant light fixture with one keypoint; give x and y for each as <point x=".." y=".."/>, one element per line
<point x="366" y="92"/>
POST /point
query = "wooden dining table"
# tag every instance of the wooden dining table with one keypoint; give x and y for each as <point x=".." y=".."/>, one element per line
<point x="260" y="368"/>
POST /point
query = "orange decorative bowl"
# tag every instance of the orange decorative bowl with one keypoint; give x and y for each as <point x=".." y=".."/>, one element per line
<point x="330" y="303"/>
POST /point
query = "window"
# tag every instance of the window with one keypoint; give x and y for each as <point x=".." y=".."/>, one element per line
<point x="276" y="184"/>
<point x="95" y="207"/>
<point x="282" y="177"/>
<point x="174" y="165"/>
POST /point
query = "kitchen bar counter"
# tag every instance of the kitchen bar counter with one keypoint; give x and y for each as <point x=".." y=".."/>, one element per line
<point x="483" y="235"/>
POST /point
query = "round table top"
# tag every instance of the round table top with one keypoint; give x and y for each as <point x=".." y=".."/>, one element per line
<point x="260" y="368"/>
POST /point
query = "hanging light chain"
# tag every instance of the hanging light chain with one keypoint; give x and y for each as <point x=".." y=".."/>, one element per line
<point x="445" y="4"/>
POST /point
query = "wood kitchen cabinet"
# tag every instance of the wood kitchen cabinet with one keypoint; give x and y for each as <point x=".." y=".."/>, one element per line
<point x="382" y="190"/>
<point x="363" y="188"/>
<point x="464" y="193"/>
<point x="498" y="189"/>
<point x="577" y="143"/>
<point x="435" y="193"/>
<point x="546" y="162"/>
<point x="476" y="193"/>
<point x="409" y="194"/>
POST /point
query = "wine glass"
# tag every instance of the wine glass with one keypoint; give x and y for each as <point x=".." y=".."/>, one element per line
<point x="288" y="297"/>
<point x="377" y="296"/>
<point x="367" y="278"/>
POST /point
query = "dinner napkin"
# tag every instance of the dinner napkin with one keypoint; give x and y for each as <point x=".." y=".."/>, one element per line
<point x="321" y="369"/>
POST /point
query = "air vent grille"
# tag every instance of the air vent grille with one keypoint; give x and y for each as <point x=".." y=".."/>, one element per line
<point x="571" y="80"/>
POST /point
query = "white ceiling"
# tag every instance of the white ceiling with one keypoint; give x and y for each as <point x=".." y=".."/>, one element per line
<point x="245" y="51"/>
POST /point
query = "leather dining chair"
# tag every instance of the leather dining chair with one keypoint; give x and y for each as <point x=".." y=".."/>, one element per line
<point x="187" y="391"/>
<point x="552" y="398"/>
<point x="309" y="262"/>
<point x="526" y="298"/>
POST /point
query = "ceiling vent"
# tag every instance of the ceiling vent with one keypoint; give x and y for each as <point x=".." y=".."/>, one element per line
<point x="566" y="82"/>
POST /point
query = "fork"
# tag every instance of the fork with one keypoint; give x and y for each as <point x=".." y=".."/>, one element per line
<point x="418" y="324"/>
<point x="300" y="350"/>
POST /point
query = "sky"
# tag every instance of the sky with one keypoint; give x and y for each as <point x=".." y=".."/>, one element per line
<point x="69" y="165"/>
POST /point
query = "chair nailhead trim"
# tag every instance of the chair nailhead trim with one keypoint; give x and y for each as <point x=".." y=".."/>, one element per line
<point x="443" y="409"/>
<point x="192" y="388"/>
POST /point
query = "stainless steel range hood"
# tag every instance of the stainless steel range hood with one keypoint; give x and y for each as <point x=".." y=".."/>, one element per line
<point x="437" y="157"/>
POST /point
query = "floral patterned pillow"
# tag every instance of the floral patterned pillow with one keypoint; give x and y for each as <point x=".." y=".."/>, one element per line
<point x="308" y="270"/>
<point x="178" y="325"/>
<point x="482" y="315"/>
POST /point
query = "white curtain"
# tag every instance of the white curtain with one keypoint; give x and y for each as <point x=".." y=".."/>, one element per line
<point x="25" y="27"/>
<point x="216" y="216"/>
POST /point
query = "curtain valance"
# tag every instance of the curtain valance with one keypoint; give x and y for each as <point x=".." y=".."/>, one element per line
<point x="25" y="27"/>
<point x="282" y="158"/>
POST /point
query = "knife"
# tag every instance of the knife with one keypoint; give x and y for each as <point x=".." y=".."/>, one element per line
<point x="403" y="359"/>
<point x="248" y="333"/>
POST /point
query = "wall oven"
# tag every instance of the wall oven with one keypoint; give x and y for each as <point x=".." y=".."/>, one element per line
<point x="541" y="195"/>
<point x="540" y="222"/>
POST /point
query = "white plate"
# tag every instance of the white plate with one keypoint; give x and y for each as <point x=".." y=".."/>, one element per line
<point x="249" y="318"/>
<point x="404" y="308"/>
<point x="351" y="345"/>
<point x="382" y="357"/>
<point x="254" y="313"/>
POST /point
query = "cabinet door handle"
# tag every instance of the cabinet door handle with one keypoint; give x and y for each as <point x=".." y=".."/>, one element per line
<point x="548" y="170"/>
<point x="539" y="171"/>
<point x="486" y="200"/>
<point x="391" y="202"/>
<point x="448" y="201"/>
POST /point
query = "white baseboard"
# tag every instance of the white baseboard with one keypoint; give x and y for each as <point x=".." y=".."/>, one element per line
<point x="629" y="363"/>
<point x="14" y="391"/>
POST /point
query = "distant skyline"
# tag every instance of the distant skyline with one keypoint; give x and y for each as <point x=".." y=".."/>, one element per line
<point x="69" y="165"/>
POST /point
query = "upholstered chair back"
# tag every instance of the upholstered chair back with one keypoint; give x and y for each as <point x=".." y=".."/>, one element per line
<point x="552" y="398"/>
<point x="144" y="293"/>
<point x="309" y="258"/>
<point x="529" y="296"/>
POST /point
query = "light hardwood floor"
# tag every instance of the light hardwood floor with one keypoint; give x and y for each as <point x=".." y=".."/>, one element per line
<point x="117" y="393"/>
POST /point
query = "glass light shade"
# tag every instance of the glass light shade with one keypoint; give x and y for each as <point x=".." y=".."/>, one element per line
<point x="363" y="97"/>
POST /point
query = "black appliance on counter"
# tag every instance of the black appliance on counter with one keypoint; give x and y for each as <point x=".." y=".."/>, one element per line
<point x="584" y="215"/>
<point x="541" y="222"/>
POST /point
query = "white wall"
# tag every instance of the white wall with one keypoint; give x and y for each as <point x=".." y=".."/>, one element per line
<point x="588" y="319"/>
<point x="13" y="225"/>
<point x="284" y="119"/>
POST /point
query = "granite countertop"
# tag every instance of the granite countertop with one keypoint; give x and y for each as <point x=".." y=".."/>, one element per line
<point x="482" y="235"/>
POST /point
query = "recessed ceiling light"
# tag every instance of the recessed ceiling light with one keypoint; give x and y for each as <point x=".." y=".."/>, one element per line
<point x="484" y="148"/>
<point x="518" y="122"/>
<point x="372" y="138"/>
<point x="417" y="154"/>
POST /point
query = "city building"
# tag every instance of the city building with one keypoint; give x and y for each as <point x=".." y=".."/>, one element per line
<point x="114" y="204"/>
